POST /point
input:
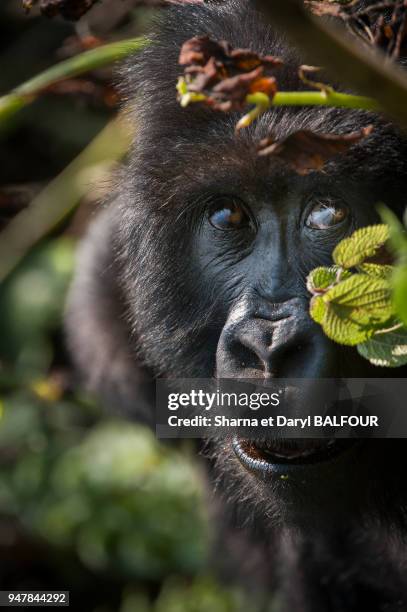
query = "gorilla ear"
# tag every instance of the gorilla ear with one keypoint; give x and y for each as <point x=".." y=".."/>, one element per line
<point x="97" y="333"/>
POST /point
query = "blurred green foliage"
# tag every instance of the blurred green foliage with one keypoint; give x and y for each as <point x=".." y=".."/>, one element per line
<point x="98" y="496"/>
<point x="31" y="303"/>
<point x="88" y="503"/>
<point x="111" y="495"/>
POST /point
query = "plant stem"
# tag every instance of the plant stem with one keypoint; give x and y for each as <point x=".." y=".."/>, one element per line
<point x="389" y="329"/>
<point x="89" y="60"/>
<point x="323" y="98"/>
<point x="368" y="71"/>
<point x="62" y="195"/>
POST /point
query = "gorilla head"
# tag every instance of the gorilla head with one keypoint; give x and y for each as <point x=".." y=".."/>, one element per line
<point x="197" y="268"/>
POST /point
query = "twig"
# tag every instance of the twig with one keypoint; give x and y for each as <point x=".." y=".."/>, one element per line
<point x="364" y="70"/>
<point x="52" y="206"/>
<point x="85" y="62"/>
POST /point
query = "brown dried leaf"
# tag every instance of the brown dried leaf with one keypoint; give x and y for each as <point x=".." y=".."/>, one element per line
<point x="244" y="59"/>
<point x="306" y="151"/>
<point x="199" y="50"/>
<point x="230" y="94"/>
<point x="226" y="75"/>
<point x="205" y="77"/>
<point x="382" y="24"/>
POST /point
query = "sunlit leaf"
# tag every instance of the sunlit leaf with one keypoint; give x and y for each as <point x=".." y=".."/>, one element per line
<point x="361" y="291"/>
<point x="318" y="309"/>
<point x="320" y="279"/>
<point x="376" y="270"/>
<point x="339" y="327"/>
<point x="400" y="291"/>
<point x="363" y="244"/>
<point x="386" y="350"/>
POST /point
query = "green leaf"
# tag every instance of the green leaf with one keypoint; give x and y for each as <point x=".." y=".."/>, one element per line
<point x="386" y="350"/>
<point x="318" y="309"/>
<point x="397" y="232"/>
<point x="354" y="309"/>
<point x="363" y="243"/>
<point x="336" y="323"/>
<point x="400" y="292"/>
<point x="320" y="279"/>
<point x="339" y="327"/>
<point x="364" y="296"/>
<point x="376" y="270"/>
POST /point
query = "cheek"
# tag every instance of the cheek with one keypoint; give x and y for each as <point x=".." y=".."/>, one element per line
<point x="317" y="249"/>
<point x="222" y="265"/>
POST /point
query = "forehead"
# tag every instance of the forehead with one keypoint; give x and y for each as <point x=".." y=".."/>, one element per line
<point x="196" y="142"/>
<point x="186" y="151"/>
<point x="210" y="152"/>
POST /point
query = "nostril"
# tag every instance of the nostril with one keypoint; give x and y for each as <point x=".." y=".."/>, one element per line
<point x="284" y="345"/>
<point x="247" y="358"/>
<point x="260" y="347"/>
<point x="289" y="357"/>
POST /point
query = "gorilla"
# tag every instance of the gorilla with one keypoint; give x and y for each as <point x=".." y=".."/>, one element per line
<point x="196" y="267"/>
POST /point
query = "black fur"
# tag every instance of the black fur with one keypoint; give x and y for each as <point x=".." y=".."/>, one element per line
<point x="154" y="293"/>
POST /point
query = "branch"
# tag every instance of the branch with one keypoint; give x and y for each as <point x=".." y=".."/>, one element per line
<point x="60" y="197"/>
<point x="85" y="62"/>
<point x="368" y="72"/>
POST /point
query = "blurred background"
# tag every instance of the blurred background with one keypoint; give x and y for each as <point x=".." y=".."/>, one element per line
<point x="88" y="503"/>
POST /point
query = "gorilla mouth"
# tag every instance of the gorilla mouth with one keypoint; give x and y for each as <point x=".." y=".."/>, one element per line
<point x="265" y="455"/>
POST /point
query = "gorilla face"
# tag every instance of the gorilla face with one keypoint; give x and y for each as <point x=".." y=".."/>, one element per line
<point x="217" y="286"/>
<point x="257" y="249"/>
<point x="203" y="262"/>
<point x="215" y="245"/>
<point x="197" y="269"/>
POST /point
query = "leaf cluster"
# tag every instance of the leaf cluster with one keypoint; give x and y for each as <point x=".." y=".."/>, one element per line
<point x="222" y="77"/>
<point x="354" y="300"/>
<point x="228" y="79"/>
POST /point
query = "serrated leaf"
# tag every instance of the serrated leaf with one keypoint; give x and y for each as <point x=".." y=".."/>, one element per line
<point x="363" y="243"/>
<point x="400" y="292"/>
<point x="355" y="309"/>
<point x="397" y="232"/>
<point x="344" y="330"/>
<point x="317" y="308"/>
<point x="376" y="270"/>
<point x="320" y="279"/>
<point x="360" y="292"/>
<point x="386" y="350"/>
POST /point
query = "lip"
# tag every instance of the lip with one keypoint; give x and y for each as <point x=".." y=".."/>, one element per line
<point x="280" y="455"/>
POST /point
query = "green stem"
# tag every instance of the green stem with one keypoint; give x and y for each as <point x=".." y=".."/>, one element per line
<point x="90" y="60"/>
<point x="389" y="329"/>
<point x="61" y="196"/>
<point x="328" y="97"/>
<point x="323" y="98"/>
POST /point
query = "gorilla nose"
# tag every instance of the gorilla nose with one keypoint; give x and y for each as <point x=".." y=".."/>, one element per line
<point x="273" y="340"/>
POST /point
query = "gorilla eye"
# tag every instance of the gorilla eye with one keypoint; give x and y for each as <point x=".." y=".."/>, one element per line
<point x="326" y="214"/>
<point x="228" y="214"/>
